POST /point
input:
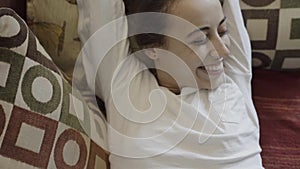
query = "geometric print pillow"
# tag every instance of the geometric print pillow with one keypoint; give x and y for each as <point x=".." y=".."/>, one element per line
<point x="274" y="29"/>
<point x="44" y="122"/>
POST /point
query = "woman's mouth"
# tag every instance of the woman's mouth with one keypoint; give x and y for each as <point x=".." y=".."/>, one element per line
<point x="211" y="70"/>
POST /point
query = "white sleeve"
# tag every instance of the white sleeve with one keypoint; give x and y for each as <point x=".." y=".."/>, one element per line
<point x="124" y="83"/>
<point x="240" y="60"/>
<point x="102" y="24"/>
<point x="238" y="64"/>
<point x="103" y="29"/>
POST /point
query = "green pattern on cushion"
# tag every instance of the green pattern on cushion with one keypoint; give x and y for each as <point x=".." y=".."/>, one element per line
<point x="27" y="90"/>
<point x="68" y="118"/>
<point x="295" y="29"/>
<point x="290" y="3"/>
<point x="16" y="61"/>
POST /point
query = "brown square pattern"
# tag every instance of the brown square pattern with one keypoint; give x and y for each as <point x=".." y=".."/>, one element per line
<point x="272" y="29"/>
<point x="9" y="148"/>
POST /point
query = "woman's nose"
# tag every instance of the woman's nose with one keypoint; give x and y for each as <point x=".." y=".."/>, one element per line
<point x="220" y="49"/>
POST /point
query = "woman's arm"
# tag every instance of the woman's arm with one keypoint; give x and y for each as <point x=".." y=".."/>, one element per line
<point x="106" y="64"/>
<point x="240" y="61"/>
<point x="238" y="64"/>
<point x="99" y="31"/>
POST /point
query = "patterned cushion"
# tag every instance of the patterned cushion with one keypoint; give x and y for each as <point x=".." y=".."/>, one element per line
<point x="54" y="22"/>
<point x="274" y="28"/>
<point x="44" y="123"/>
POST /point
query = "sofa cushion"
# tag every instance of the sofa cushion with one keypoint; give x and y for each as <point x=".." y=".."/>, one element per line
<point x="274" y="28"/>
<point x="44" y="122"/>
<point x="54" y="22"/>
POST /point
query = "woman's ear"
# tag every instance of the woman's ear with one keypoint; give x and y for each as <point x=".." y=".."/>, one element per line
<point x="151" y="53"/>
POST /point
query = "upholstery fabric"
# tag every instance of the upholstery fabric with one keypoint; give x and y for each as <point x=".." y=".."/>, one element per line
<point x="274" y="28"/>
<point x="44" y="123"/>
<point x="54" y="22"/>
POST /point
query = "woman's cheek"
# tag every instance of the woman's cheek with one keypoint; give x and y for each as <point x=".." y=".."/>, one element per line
<point x="226" y="41"/>
<point x="203" y="50"/>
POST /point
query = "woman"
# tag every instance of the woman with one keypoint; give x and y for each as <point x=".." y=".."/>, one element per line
<point x="209" y="42"/>
<point x="196" y="110"/>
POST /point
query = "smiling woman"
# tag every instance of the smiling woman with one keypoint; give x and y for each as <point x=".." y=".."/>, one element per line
<point x="197" y="111"/>
<point x="210" y="41"/>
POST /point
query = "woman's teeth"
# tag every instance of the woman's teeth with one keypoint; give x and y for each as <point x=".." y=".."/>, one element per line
<point x="214" y="67"/>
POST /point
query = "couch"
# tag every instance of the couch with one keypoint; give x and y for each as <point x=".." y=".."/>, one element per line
<point x="273" y="26"/>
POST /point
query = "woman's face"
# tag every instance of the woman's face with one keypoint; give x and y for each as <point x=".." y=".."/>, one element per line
<point x="204" y="48"/>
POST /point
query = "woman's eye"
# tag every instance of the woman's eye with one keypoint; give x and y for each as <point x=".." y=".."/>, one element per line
<point x="221" y="34"/>
<point x="200" y="41"/>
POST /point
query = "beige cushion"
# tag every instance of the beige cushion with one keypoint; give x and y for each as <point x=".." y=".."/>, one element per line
<point x="54" y="22"/>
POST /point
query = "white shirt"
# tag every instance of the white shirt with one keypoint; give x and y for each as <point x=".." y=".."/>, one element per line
<point x="189" y="133"/>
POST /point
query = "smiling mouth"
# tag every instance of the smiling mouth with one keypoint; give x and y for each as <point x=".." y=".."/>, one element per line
<point x="212" y="69"/>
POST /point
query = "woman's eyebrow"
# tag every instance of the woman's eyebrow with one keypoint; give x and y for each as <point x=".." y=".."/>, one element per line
<point x="206" y="27"/>
<point x="223" y="20"/>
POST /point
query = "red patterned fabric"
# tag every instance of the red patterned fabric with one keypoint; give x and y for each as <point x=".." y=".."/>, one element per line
<point x="277" y="99"/>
